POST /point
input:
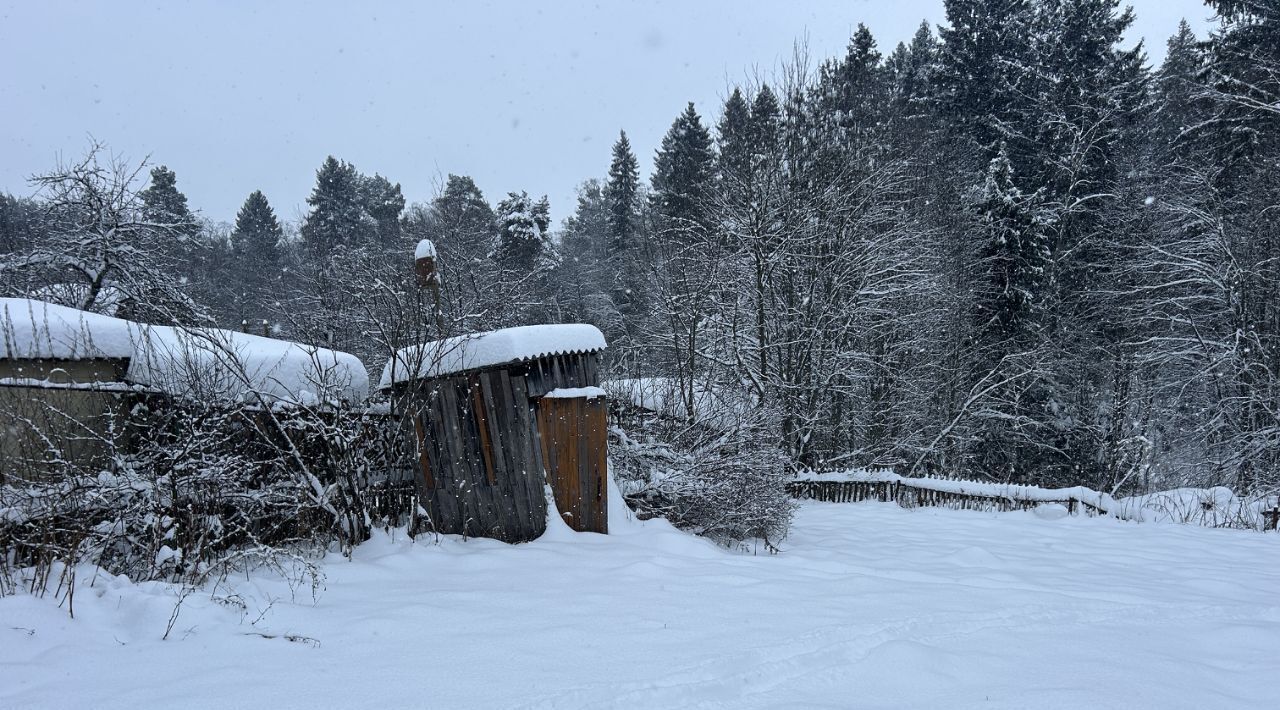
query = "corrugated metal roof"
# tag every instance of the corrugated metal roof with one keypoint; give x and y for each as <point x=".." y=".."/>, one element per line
<point x="498" y="347"/>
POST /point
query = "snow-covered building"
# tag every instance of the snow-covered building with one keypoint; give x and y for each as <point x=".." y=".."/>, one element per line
<point x="496" y="418"/>
<point x="75" y="375"/>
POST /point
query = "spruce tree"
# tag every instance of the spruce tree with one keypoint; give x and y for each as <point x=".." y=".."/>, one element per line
<point x="1243" y="80"/>
<point x="1085" y="89"/>
<point x="257" y="234"/>
<point x="682" y="175"/>
<point x="911" y="68"/>
<point x="586" y="272"/>
<point x="1016" y="257"/>
<point x="984" y="44"/>
<point x="587" y="233"/>
<point x="338" y="215"/>
<point x="734" y="141"/>
<point x="22" y="223"/>
<point x="859" y="85"/>
<point x="163" y="204"/>
<point x="1009" y="313"/>
<point x="1177" y="84"/>
<point x="735" y="170"/>
<point x="766" y="123"/>
<point x="384" y="202"/>
<point x="848" y="110"/>
<point x="619" y="274"/>
<point x="620" y="195"/>
<point x="1237" y="147"/>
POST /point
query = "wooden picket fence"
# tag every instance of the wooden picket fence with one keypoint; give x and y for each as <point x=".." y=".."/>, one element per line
<point x="909" y="495"/>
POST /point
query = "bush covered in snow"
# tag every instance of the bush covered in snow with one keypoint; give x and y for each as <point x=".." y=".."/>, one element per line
<point x="197" y="490"/>
<point x="726" y="480"/>
<point x="1217" y="507"/>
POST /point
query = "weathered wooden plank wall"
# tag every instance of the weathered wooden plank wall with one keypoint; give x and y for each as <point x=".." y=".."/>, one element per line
<point x="481" y="459"/>
<point x="478" y="476"/>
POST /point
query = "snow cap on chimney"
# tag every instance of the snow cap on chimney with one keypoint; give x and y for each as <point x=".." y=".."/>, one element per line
<point x="424" y="263"/>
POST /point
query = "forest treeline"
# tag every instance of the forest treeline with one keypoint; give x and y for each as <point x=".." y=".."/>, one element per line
<point x="1009" y="248"/>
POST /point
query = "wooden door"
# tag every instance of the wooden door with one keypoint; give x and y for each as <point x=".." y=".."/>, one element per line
<point x="575" y="454"/>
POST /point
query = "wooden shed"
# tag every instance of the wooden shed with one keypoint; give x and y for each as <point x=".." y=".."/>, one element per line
<point x="70" y="379"/>
<point x="495" y="418"/>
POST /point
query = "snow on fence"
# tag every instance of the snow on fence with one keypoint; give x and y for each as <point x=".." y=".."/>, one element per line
<point x="1210" y="507"/>
<point x="886" y="486"/>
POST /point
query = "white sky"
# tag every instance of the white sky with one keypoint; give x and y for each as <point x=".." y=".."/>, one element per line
<point x="238" y="96"/>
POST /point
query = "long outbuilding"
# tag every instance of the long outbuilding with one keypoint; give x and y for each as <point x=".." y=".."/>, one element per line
<point x="69" y="379"/>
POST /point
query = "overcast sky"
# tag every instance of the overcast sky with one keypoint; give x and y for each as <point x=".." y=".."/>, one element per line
<point x="238" y="96"/>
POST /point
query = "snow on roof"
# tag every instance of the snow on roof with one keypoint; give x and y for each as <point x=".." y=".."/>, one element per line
<point x="498" y="347"/>
<point x="426" y="248"/>
<point x="35" y="329"/>
<point x="205" y="363"/>
<point x="575" y="393"/>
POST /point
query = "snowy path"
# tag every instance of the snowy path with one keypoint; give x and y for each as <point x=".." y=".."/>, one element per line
<point x="870" y="606"/>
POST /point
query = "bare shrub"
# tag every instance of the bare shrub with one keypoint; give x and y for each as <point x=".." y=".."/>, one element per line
<point x="723" y="478"/>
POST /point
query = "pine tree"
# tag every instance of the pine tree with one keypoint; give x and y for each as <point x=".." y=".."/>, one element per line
<point x="338" y="215"/>
<point x="682" y="175"/>
<point x="620" y="195"/>
<point x="162" y="203"/>
<point x="542" y="215"/>
<point x="257" y="234"/>
<point x="460" y="221"/>
<point x="522" y="232"/>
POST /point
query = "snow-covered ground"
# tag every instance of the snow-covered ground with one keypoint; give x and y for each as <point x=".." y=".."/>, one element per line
<point x="870" y="605"/>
